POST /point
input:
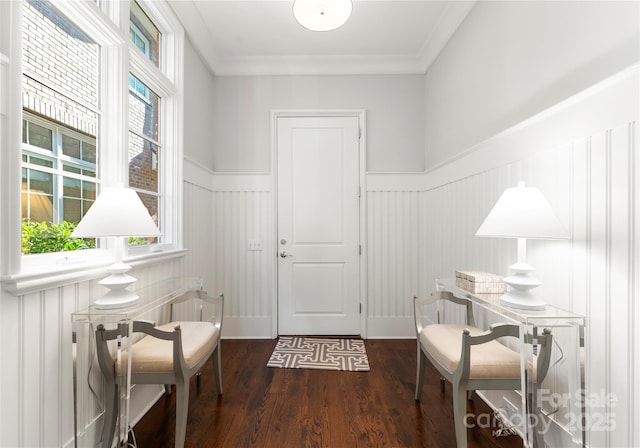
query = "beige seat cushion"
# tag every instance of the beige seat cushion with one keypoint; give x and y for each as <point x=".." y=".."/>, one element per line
<point x="490" y="360"/>
<point x="153" y="355"/>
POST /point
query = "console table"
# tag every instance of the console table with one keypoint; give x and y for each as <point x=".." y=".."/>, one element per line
<point x="86" y="375"/>
<point x="567" y="328"/>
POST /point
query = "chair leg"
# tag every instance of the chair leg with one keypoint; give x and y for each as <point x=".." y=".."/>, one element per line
<point x="459" y="412"/>
<point x="182" y="410"/>
<point x="536" y="417"/>
<point x="419" y="372"/>
<point x="217" y="368"/>
<point x="110" y="414"/>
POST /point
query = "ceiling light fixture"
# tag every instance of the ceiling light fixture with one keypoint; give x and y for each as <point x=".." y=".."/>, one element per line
<point x="322" y="15"/>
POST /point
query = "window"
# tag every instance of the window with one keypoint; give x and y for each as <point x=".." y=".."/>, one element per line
<point x="144" y="146"/>
<point x="144" y="34"/>
<point x="75" y="138"/>
<point x="58" y="172"/>
<point x="144" y="113"/>
<point x="139" y="40"/>
<point x="60" y="92"/>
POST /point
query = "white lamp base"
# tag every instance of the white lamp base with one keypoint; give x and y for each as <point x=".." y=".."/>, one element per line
<point x="118" y="296"/>
<point x="523" y="300"/>
<point x="521" y="283"/>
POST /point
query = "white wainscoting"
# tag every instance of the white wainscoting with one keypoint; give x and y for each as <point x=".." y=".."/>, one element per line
<point x="394" y="244"/>
<point x="38" y="410"/>
<point x="587" y="166"/>
<point x="242" y="210"/>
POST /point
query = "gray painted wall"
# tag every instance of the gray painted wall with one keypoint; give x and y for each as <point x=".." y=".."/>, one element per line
<point x="198" y="110"/>
<point x="511" y="60"/>
<point x="394" y="105"/>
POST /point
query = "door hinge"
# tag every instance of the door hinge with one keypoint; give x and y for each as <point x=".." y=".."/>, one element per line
<point x="361" y="308"/>
<point x="360" y="249"/>
<point x="359" y="133"/>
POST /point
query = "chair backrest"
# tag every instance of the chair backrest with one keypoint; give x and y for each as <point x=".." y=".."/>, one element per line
<point x="218" y="302"/>
<point x="543" y="341"/>
<point x="419" y="302"/>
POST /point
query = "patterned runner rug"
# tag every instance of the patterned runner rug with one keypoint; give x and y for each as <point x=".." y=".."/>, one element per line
<point x="316" y="353"/>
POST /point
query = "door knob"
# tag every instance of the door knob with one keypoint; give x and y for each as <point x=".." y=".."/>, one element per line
<point x="284" y="254"/>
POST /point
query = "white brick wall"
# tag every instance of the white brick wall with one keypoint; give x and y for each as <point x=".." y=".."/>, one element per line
<point x="67" y="60"/>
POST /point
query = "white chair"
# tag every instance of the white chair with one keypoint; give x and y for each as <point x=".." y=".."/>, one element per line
<point x="472" y="359"/>
<point x="169" y="354"/>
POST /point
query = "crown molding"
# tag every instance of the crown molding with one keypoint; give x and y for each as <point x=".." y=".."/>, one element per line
<point x="418" y="63"/>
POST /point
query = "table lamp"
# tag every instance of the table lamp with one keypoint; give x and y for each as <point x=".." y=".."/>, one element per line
<point x="522" y="212"/>
<point x="117" y="212"/>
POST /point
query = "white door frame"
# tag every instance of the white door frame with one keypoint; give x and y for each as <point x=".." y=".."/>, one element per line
<point x="297" y="113"/>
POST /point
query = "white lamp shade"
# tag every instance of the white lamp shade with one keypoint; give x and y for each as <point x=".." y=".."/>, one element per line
<point x="117" y="211"/>
<point x="522" y="212"/>
<point x="322" y="15"/>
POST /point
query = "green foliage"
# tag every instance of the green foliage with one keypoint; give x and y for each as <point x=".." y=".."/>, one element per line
<point x="40" y="238"/>
<point x="137" y="241"/>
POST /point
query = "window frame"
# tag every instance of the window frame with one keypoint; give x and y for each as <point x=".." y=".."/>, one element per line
<point x="108" y="25"/>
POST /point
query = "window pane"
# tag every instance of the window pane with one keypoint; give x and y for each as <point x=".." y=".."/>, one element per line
<point x="71" y="187"/>
<point x="151" y="203"/>
<point x="40" y="161"/>
<point x="89" y="191"/>
<point x="39" y="207"/>
<point x="70" y="146"/>
<point x="144" y="34"/>
<point x="88" y="152"/>
<point x="78" y="197"/>
<point x="72" y="209"/>
<point x="71" y="169"/>
<point x="143" y="164"/>
<point x="40" y="136"/>
<point x="137" y="86"/>
<point x="77" y="170"/>
<point x="24" y="197"/>
<point x="40" y="182"/>
<point x="143" y="147"/>
<point x="143" y="110"/>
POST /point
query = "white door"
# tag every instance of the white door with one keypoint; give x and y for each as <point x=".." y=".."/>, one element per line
<point x="318" y="226"/>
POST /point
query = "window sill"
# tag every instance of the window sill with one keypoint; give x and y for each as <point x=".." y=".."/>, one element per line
<point x="72" y="269"/>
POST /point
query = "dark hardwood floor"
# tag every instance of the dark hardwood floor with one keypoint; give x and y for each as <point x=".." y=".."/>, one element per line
<point x="267" y="407"/>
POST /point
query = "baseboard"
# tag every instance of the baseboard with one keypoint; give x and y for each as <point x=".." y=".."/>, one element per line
<point x="247" y="328"/>
<point x="391" y="328"/>
<point x="261" y="328"/>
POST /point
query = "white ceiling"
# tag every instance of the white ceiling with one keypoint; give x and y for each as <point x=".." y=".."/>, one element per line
<point x="261" y="37"/>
